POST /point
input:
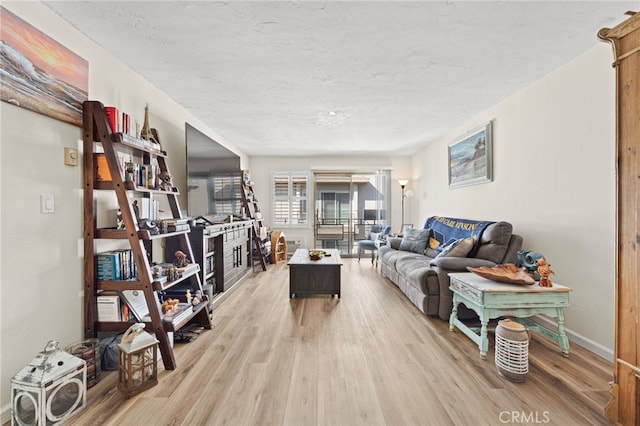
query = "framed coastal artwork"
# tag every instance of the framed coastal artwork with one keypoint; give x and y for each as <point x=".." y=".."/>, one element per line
<point x="470" y="158"/>
<point x="40" y="74"/>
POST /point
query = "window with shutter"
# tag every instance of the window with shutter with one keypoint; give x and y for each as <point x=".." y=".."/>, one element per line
<point x="290" y="199"/>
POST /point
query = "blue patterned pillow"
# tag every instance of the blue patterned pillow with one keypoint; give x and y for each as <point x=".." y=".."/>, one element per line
<point x="415" y="240"/>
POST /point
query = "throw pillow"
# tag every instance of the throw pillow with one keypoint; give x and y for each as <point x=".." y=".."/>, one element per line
<point x="458" y="248"/>
<point x="433" y="243"/>
<point x="374" y="235"/>
<point x="415" y="240"/>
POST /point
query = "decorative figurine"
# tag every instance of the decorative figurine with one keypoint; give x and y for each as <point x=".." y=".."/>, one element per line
<point x="147" y="132"/>
<point x="119" y="221"/>
<point x="528" y="259"/>
<point x="172" y="274"/>
<point x="149" y="225"/>
<point x="544" y="269"/>
<point x="136" y="210"/>
<point x="197" y="298"/>
<point x="181" y="260"/>
<point x="165" y="181"/>
<point x="169" y="306"/>
<point x="188" y="296"/>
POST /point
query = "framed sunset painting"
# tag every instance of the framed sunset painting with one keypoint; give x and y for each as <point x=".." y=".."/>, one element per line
<point x="40" y="74"/>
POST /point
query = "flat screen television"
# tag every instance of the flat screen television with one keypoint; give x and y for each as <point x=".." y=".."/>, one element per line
<point x="213" y="177"/>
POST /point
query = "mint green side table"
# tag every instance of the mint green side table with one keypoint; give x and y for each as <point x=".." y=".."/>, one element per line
<point x="492" y="299"/>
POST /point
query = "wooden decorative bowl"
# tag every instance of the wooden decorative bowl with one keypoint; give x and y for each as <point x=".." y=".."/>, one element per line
<point x="316" y="254"/>
<point x="507" y="273"/>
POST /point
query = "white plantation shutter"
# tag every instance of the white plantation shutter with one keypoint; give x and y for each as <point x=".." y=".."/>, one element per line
<point x="290" y="199"/>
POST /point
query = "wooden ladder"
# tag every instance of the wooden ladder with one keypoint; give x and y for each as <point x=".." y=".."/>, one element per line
<point x="251" y="206"/>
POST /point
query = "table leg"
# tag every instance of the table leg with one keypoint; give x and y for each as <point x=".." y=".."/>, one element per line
<point x="484" y="340"/>
<point x="563" y="340"/>
<point x="454" y="313"/>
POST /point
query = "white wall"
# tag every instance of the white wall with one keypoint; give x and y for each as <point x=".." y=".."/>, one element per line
<point x="41" y="263"/>
<point x="262" y="167"/>
<point x="554" y="180"/>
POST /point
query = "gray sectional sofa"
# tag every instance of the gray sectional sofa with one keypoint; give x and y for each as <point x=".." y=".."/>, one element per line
<point x="421" y="271"/>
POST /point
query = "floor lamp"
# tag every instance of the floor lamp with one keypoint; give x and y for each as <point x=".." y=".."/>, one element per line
<point x="403" y="183"/>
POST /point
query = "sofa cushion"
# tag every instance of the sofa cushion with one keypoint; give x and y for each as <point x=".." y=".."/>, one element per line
<point x="494" y="242"/>
<point x="390" y="257"/>
<point x="458" y="248"/>
<point x="415" y="240"/>
<point x="415" y="269"/>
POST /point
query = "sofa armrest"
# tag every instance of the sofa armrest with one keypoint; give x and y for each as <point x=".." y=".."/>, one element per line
<point x="459" y="264"/>
<point x="394" y="242"/>
<point x="445" y="265"/>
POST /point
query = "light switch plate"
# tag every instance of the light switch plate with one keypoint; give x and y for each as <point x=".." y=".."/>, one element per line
<point x="46" y="204"/>
<point x="70" y="156"/>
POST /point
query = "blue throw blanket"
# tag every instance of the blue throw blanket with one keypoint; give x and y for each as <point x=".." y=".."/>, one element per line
<point x="445" y="229"/>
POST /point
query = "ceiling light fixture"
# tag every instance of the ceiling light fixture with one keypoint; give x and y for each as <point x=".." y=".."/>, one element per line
<point x="331" y="118"/>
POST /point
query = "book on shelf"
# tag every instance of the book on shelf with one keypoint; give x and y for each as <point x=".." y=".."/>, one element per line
<point x="108" y="307"/>
<point x="113" y="118"/>
<point x="148" y="208"/>
<point x="115" y="265"/>
<point x="108" y="267"/>
<point x="136" y="302"/>
<point x="103" y="173"/>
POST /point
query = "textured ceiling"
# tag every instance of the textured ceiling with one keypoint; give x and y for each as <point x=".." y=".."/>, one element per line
<point x="338" y="77"/>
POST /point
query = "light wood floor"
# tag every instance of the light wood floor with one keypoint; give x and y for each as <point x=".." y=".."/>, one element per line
<point x="369" y="358"/>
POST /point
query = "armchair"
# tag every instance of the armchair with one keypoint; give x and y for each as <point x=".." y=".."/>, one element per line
<point x="370" y="243"/>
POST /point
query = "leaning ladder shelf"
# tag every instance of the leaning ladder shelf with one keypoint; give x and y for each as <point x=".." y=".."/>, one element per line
<point x="251" y="207"/>
<point x="96" y="131"/>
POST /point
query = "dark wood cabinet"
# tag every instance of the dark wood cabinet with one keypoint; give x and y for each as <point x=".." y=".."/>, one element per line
<point x="223" y="252"/>
<point x="236" y="252"/>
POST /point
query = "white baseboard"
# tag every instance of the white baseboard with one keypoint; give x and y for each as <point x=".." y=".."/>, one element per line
<point x="578" y="339"/>
<point x="5" y="414"/>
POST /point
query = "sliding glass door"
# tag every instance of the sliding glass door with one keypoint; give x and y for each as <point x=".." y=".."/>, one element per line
<point x="346" y="206"/>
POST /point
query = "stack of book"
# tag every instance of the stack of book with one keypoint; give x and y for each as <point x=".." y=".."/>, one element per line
<point x="115" y="265"/>
<point x="178" y="224"/>
<point x="181" y="313"/>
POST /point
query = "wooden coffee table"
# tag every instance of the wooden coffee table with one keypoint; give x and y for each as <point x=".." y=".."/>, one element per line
<point x="308" y="276"/>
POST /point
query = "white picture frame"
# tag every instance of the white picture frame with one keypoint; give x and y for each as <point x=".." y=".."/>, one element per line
<point x="471" y="158"/>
